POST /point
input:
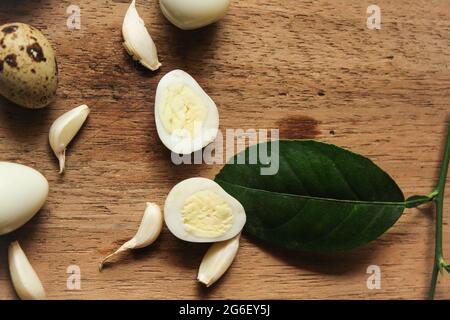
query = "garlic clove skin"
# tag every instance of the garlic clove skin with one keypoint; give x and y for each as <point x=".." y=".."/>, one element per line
<point x="149" y="230"/>
<point x="217" y="260"/>
<point x="64" y="129"/>
<point x="137" y="41"/>
<point x="25" y="280"/>
<point x="193" y="14"/>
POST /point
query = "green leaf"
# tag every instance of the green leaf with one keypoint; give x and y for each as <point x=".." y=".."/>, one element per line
<point x="323" y="198"/>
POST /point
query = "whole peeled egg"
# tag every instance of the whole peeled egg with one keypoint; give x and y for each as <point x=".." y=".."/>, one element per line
<point x="28" y="67"/>
<point x="193" y="14"/>
<point x="23" y="192"/>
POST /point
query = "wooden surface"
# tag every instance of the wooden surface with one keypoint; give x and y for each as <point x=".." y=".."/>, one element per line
<point x="310" y="68"/>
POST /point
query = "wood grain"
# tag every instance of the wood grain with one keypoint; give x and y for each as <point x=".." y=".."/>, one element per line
<point x="310" y="68"/>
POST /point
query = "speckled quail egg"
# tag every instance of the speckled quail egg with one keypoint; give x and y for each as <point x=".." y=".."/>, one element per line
<point x="199" y="210"/>
<point x="28" y="68"/>
<point x="186" y="117"/>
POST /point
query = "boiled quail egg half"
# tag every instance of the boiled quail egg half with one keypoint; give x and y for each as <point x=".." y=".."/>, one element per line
<point x="186" y="118"/>
<point x="199" y="210"/>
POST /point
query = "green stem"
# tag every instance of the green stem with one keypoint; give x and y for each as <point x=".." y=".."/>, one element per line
<point x="416" y="201"/>
<point x="439" y="262"/>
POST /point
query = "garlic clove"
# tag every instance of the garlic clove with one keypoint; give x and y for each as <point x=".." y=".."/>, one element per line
<point x="217" y="260"/>
<point x="149" y="230"/>
<point x="138" y="42"/>
<point x="64" y="129"/>
<point x="25" y="280"/>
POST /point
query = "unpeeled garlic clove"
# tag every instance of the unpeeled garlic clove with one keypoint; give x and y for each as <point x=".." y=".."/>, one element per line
<point x="217" y="260"/>
<point x="148" y="232"/>
<point x="25" y="280"/>
<point x="64" y="129"/>
<point x="138" y="42"/>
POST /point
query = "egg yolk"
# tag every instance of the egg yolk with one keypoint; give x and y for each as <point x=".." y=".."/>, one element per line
<point x="181" y="110"/>
<point x="206" y="214"/>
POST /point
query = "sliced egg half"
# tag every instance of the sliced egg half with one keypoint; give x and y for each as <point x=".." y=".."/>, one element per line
<point x="199" y="210"/>
<point x="186" y="117"/>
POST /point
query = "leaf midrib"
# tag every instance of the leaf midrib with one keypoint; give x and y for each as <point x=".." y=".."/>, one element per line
<point x="374" y="203"/>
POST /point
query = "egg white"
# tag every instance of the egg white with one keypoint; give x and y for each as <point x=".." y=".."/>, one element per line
<point x="185" y="144"/>
<point x="193" y="14"/>
<point x="23" y="192"/>
<point x="176" y="200"/>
